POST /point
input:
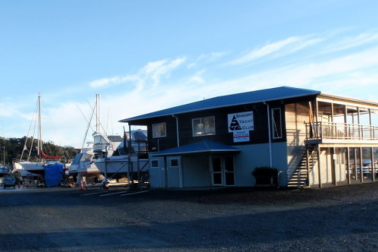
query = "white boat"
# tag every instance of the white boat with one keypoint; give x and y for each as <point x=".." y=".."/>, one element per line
<point x="83" y="166"/>
<point x="21" y="172"/>
<point x="44" y="160"/>
<point x="128" y="162"/>
<point x="101" y="146"/>
<point x="82" y="161"/>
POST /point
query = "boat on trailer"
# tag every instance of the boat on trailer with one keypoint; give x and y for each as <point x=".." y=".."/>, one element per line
<point x="102" y="145"/>
<point x="129" y="162"/>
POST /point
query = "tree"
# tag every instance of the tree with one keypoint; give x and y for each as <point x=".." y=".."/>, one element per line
<point x="12" y="148"/>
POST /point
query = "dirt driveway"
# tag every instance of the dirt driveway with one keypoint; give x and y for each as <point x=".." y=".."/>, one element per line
<point x="249" y="219"/>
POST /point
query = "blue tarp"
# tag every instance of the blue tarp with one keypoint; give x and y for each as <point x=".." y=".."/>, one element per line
<point x="53" y="174"/>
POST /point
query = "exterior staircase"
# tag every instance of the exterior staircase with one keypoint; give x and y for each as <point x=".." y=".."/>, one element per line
<point x="299" y="177"/>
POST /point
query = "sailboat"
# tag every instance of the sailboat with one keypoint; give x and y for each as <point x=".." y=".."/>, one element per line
<point x="25" y="167"/>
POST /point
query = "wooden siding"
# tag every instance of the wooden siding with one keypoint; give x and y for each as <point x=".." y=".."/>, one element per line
<point x="296" y="114"/>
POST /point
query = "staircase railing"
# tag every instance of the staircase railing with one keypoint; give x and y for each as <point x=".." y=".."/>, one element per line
<point x="295" y="161"/>
<point x="298" y="176"/>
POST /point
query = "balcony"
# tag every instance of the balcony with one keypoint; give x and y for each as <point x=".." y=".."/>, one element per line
<point x="320" y="132"/>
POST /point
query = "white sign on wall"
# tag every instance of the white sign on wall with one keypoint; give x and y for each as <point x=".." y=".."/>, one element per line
<point x="240" y="121"/>
<point x="240" y="124"/>
<point x="241" y="136"/>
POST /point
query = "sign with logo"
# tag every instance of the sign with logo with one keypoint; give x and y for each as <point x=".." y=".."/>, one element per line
<point x="240" y="124"/>
<point x="240" y="121"/>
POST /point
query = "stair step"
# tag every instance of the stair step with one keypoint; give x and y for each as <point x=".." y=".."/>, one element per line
<point x="299" y="177"/>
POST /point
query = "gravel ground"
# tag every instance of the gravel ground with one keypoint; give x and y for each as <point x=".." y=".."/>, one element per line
<point x="341" y="218"/>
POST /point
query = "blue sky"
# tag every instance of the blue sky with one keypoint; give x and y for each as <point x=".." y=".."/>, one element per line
<point x="146" y="55"/>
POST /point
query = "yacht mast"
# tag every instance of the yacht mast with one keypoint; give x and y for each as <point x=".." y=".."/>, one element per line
<point x="39" y="127"/>
<point x="98" y="115"/>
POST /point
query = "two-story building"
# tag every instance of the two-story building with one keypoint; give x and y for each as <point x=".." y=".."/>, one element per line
<point x="312" y="138"/>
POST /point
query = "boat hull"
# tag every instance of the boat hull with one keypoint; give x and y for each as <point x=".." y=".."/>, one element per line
<point x="118" y="167"/>
<point x="87" y="169"/>
<point x="33" y="167"/>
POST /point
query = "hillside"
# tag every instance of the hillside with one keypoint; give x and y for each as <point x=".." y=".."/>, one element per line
<point x="11" y="149"/>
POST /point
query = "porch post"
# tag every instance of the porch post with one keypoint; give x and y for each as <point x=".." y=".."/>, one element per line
<point x="360" y="135"/>
<point x="316" y="110"/>
<point x="319" y="167"/>
<point x="372" y="164"/>
<point x="334" y="166"/>
<point x="361" y="170"/>
<point x="348" y="166"/>
<point x="346" y="135"/>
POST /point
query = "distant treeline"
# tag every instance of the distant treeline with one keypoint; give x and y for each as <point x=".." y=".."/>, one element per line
<point x="11" y="149"/>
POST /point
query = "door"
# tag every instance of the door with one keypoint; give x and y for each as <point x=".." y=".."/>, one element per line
<point x="222" y="170"/>
<point x="174" y="172"/>
<point x="157" y="176"/>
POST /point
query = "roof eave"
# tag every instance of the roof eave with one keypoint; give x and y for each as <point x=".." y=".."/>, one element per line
<point x="213" y="107"/>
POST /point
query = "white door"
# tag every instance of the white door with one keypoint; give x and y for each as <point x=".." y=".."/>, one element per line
<point x="174" y="172"/>
<point x="222" y="170"/>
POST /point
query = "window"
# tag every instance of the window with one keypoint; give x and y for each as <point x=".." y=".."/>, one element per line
<point x="155" y="164"/>
<point x="174" y="162"/>
<point x="276" y="123"/>
<point x="203" y="126"/>
<point x="159" y="130"/>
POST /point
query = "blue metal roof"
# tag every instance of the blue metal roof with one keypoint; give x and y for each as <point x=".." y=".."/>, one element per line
<point x="270" y="94"/>
<point x="197" y="147"/>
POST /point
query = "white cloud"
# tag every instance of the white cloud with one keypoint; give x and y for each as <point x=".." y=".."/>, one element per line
<point x="352" y="41"/>
<point x="152" y="71"/>
<point x="105" y="82"/>
<point x="156" y="70"/>
<point x="268" y="50"/>
<point x="207" y="58"/>
<point x="341" y="70"/>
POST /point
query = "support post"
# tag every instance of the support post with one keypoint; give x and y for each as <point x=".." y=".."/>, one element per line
<point x="319" y="167"/>
<point x="348" y="166"/>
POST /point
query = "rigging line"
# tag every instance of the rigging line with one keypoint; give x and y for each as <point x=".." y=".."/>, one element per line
<point x="98" y="119"/>
<point x="88" y="122"/>
<point x="27" y="136"/>
<point x="98" y="116"/>
<point x="101" y="125"/>
<point x="32" y="142"/>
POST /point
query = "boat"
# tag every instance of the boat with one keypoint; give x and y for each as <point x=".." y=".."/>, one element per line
<point x="129" y="162"/>
<point x="102" y="145"/>
<point x="83" y="166"/>
<point x="43" y="162"/>
<point x="21" y="172"/>
<point x="82" y="163"/>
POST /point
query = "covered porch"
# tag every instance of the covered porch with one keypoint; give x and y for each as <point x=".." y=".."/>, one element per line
<point x="340" y="143"/>
<point x="203" y="164"/>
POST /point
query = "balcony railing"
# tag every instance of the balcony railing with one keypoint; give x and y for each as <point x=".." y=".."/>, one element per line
<point x="340" y="131"/>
